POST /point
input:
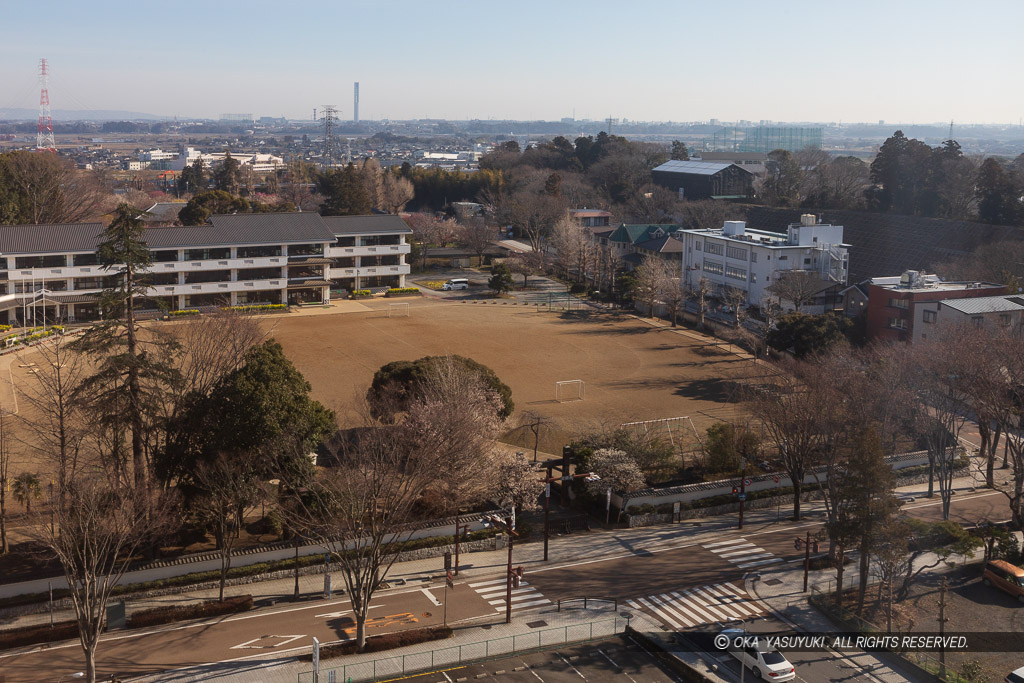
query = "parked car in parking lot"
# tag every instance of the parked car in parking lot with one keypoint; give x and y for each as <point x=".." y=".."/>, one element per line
<point x="1015" y="676"/>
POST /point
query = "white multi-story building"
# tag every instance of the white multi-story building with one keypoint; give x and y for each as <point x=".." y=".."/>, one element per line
<point x="260" y="163"/>
<point x="287" y="258"/>
<point x="735" y="256"/>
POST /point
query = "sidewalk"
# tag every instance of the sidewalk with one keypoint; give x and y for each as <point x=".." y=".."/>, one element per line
<point x="785" y="598"/>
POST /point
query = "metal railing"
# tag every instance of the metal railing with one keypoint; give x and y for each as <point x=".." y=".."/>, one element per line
<point x="400" y="665"/>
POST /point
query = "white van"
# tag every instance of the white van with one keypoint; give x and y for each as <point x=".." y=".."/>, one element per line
<point x="456" y="283"/>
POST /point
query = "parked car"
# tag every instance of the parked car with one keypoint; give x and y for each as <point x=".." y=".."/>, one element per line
<point x="1004" y="576"/>
<point x="1015" y="676"/>
<point x="768" y="665"/>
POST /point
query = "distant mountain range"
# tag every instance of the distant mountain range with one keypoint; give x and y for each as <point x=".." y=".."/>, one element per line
<point x="79" y="115"/>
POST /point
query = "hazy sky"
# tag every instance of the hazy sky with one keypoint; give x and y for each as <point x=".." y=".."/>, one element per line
<point x="680" y="60"/>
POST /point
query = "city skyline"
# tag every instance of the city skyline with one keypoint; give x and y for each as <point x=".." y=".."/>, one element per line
<point x="797" y="62"/>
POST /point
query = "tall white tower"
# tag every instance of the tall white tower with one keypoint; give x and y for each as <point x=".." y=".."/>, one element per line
<point x="355" y="103"/>
<point x="44" y="138"/>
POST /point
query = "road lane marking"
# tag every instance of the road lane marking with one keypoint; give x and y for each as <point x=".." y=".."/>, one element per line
<point x="571" y="666"/>
<point x="430" y="596"/>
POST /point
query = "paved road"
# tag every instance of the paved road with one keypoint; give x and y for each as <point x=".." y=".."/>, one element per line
<point x="684" y="582"/>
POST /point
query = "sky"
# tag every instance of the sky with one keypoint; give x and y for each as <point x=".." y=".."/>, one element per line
<point x="901" y="61"/>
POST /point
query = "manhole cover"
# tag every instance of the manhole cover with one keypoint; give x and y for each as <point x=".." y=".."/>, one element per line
<point x="536" y="624"/>
<point x="773" y="582"/>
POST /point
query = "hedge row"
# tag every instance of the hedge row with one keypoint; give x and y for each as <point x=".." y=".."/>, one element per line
<point x="387" y="641"/>
<point x="361" y="292"/>
<point x="42" y="633"/>
<point x="185" y="311"/>
<point x="169" y="613"/>
<point x="403" y="290"/>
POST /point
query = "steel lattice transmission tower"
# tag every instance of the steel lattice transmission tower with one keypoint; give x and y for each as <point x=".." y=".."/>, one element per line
<point x="44" y="138"/>
<point x="329" y="114"/>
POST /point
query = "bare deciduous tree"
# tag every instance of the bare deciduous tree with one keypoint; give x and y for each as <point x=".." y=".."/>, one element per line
<point x="649" y="278"/>
<point x="700" y="293"/>
<point x="5" y="473"/>
<point x="799" y="287"/>
<point x="476" y="235"/>
<point x="97" y="530"/>
<point x="230" y="490"/>
<point x="396" y="192"/>
<point x="54" y="417"/>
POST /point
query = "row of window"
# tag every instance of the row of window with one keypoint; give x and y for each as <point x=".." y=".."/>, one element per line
<point x="735" y="273"/>
<point x="211" y="253"/>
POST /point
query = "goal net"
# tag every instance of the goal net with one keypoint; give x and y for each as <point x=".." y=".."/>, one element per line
<point x="569" y="390"/>
<point x="398" y="310"/>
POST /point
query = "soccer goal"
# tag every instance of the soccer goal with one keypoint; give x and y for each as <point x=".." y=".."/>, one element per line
<point x="672" y="429"/>
<point x="569" y="390"/>
<point x="400" y="310"/>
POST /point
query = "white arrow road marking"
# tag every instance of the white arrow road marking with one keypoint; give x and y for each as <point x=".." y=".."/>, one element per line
<point x="248" y="645"/>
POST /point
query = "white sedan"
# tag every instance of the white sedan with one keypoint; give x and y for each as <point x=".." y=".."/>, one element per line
<point x="769" y="665"/>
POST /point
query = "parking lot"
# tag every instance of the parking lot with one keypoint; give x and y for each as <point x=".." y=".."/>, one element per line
<point x="615" y="659"/>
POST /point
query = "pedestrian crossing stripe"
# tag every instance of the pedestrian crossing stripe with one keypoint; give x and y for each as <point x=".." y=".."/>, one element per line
<point x="742" y="553"/>
<point x="700" y="605"/>
<point x="494" y="593"/>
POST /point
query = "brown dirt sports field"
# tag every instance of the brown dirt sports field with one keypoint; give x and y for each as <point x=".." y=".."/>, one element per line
<point x="633" y="368"/>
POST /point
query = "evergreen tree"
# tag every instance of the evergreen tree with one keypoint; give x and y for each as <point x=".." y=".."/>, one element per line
<point x="679" y="151"/>
<point x="344" y="192"/>
<point x="227" y="176"/>
<point x="501" y="279"/>
<point x="998" y="194"/>
<point x="127" y="381"/>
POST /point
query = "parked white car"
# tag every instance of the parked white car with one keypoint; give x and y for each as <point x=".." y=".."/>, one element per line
<point x="768" y="665"/>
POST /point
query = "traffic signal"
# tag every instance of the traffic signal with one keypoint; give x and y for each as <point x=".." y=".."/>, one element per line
<point x="450" y="580"/>
<point x="520" y="571"/>
<point x="797" y="543"/>
<point x="515" y="580"/>
<point x="735" y="490"/>
<point x="815" y="546"/>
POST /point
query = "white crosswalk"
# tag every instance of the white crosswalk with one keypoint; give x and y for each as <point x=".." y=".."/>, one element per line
<point x="693" y="607"/>
<point x="742" y="553"/>
<point x="494" y="593"/>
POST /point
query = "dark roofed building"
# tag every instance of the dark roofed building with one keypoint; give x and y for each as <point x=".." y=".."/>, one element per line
<point x="704" y="179"/>
<point x="233" y="260"/>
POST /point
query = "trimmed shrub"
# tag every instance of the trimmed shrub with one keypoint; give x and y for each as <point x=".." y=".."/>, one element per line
<point x="31" y="635"/>
<point x="387" y="641"/>
<point x="211" y="608"/>
<point x="184" y="311"/>
<point x="402" y="290"/>
<point x="359" y="293"/>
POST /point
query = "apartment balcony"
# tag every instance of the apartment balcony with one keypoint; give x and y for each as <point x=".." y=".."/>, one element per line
<point x="338" y="252"/>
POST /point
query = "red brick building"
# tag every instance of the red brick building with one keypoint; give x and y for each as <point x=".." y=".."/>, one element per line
<point x="894" y="308"/>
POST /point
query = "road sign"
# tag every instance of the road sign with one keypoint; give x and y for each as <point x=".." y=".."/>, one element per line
<point x="776" y="479"/>
<point x="316" y="659"/>
<point x="746" y="482"/>
<point x="742" y="496"/>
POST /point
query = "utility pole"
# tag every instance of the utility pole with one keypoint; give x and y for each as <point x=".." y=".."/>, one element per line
<point x="547" y="510"/>
<point x="743" y="487"/>
<point x="807" y="561"/>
